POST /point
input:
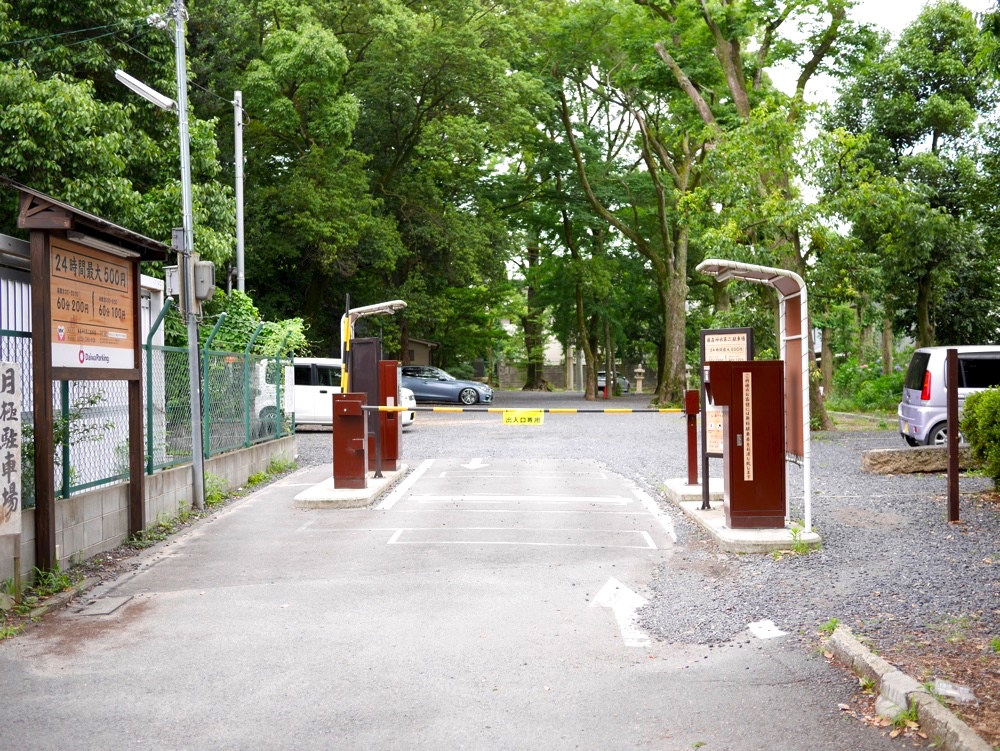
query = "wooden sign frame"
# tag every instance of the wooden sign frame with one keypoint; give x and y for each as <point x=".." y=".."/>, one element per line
<point x="53" y="225"/>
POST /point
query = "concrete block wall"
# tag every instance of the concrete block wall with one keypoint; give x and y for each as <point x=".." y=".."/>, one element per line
<point x="97" y="521"/>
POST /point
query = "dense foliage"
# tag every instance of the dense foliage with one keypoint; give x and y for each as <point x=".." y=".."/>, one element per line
<point x="520" y="170"/>
<point x="981" y="428"/>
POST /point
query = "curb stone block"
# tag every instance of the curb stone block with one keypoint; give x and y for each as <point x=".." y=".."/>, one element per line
<point x="939" y="722"/>
<point x="897" y="687"/>
<point x="944" y="727"/>
<point x="887" y="709"/>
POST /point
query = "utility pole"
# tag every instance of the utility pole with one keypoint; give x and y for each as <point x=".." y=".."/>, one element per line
<point x="187" y="262"/>
<point x="238" y="107"/>
<point x="183" y="239"/>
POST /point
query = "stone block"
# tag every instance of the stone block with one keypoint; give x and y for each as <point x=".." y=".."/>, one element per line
<point x="92" y="508"/>
<point x="93" y="532"/>
<point x="72" y="511"/>
<point x="897" y="687"/>
<point x="944" y="728"/>
<point x="910" y="460"/>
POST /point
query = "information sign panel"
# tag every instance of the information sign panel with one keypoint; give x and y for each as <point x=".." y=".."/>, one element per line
<point x="721" y="345"/>
<point x="523" y="417"/>
<point x="92" y="307"/>
<point x="10" y="449"/>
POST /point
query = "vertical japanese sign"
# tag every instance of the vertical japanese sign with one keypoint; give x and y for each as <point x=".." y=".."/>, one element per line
<point x="10" y="449"/>
<point x="748" y="427"/>
<point x="92" y="299"/>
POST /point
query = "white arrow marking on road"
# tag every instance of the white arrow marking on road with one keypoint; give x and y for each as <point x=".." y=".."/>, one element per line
<point x="765" y="630"/>
<point x="476" y="463"/>
<point x="623" y="603"/>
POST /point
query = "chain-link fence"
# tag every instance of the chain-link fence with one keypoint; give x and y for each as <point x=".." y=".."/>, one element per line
<point x="240" y="398"/>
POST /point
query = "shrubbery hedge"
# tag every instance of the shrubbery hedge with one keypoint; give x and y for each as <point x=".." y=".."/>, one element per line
<point x="981" y="428"/>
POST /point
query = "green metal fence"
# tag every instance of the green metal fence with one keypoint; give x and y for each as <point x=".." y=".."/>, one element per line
<point x="244" y="402"/>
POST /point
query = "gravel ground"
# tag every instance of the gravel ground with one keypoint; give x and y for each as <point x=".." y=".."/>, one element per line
<point x="888" y="556"/>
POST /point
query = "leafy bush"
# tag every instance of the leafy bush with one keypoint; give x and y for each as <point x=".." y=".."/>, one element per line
<point x="981" y="428"/>
<point x="864" y="389"/>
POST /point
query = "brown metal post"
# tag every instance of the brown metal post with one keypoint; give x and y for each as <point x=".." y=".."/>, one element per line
<point x="691" y="409"/>
<point x="41" y="340"/>
<point x="136" y="454"/>
<point x="951" y="393"/>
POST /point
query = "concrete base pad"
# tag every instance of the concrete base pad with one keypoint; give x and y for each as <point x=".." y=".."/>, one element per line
<point x="678" y="490"/>
<point x="325" y="495"/>
<point x="713" y="521"/>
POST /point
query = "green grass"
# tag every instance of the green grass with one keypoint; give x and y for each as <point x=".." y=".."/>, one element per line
<point x="995" y="644"/>
<point x="216" y="490"/>
<point x="829" y="627"/>
<point x="279" y="465"/>
<point x="257" y="478"/>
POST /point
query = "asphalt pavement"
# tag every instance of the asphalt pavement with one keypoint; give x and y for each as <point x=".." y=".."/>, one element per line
<point x="493" y="602"/>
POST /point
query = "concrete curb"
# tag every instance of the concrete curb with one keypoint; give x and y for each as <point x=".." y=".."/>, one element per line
<point x="61" y="598"/>
<point x="939" y="722"/>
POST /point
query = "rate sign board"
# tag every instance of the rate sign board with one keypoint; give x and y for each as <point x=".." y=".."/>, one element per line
<point x="92" y="307"/>
<point x="721" y="345"/>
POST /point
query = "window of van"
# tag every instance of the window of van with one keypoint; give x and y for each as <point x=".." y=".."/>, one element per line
<point x="979" y="371"/>
<point x="915" y="373"/>
<point x="327" y="375"/>
<point x="303" y="375"/>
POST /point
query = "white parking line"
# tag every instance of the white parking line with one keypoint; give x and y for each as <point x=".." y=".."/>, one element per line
<point x="395" y="539"/>
<point x="526" y="475"/>
<point x="390" y="500"/>
<point x="615" y="500"/>
<point x="652" y="507"/>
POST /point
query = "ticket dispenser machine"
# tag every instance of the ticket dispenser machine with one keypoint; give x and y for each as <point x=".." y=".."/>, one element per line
<point x="752" y="398"/>
<point x="350" y="441"/>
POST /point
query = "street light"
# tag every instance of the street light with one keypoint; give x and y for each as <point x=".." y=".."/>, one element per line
<point x="347" y="330"/>
<point x="178" y="14"/>
<point x="147" y="93"/>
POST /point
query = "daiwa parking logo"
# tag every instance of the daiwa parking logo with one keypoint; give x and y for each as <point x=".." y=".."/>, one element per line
<point x="85" y="357"/>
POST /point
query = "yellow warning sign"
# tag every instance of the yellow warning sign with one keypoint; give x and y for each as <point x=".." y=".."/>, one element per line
<point x="523" y="417"/>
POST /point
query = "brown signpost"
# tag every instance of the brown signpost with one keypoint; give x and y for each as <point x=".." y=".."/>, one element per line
<point x="86" y="326"/>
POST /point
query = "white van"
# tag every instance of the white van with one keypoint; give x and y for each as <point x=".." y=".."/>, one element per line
<point x="317" y="379"/>
<point x="314" y="382"/>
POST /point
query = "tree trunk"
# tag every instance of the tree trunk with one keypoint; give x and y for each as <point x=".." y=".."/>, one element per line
<point x="925" y="331"/>
<point x="404" y="341"/>
<point x="887" y="348"/>
<point x="531" y="322"/>
<point x="590" y="383"/>
<point x="674" y="379"/>
<point x="826" y="361"/>
<point x="720" y="296"/>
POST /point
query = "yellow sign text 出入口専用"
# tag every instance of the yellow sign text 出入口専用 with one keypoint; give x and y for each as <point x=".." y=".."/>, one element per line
<point x="523" y="417"/>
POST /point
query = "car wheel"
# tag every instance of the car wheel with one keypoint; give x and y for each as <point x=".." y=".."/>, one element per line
<point x="938" y="435"/>
<point x="268" y="413"/>
<point x="468" y="396"/>
<point x="910" y="440"/>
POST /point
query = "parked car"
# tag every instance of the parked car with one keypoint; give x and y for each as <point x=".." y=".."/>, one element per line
<point x="923" y="412"/>
<point x="623" y="383"/>
<point x="406" y="399"/>
<point x="316" y="381"/>
<point x="430" y="384"/>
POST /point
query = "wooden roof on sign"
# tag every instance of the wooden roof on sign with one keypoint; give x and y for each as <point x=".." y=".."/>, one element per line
<point x="38" y="211"/>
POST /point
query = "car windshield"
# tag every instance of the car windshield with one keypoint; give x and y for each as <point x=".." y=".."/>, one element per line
<point x="442" y="374"/>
